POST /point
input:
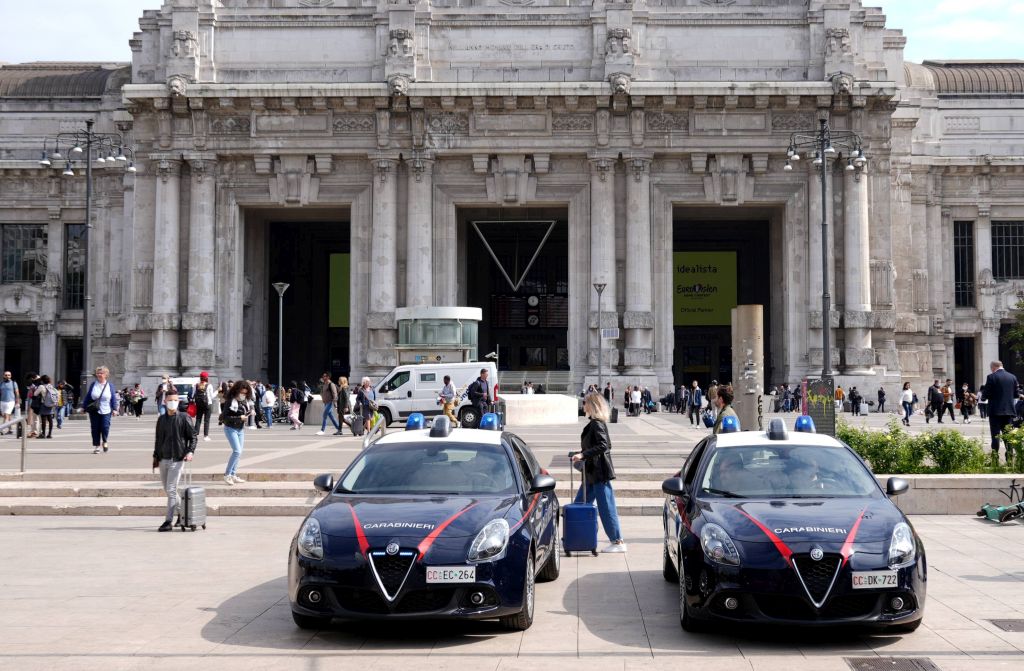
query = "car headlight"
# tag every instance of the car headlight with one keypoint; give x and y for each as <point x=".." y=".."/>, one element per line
<point x="717" y="545"/>
<point x="490" y="544"/>
<point x="902" y="548"/>
<point x="310" y="543"/>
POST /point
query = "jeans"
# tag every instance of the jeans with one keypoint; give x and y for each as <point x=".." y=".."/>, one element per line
<point x="881" y="406"/>
<point x="948" y="406"/>
<point x="170" y="475"/>
<point x="268" y="414"/>
<point x="60" y="417"/>
<point x="908" y="410"/>
<point x="997" y="423"/>
<point x="329" y="414"/>
<point x="201" y="415"/>
<point x="603" y="493"/>
<point x="100" y="426"/>
<point x="236" y="439"/>
<point x="161" y="408"/>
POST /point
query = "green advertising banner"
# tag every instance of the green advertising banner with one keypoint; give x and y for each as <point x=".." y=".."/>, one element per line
<point x="338" y="297"/>
<point x="704" y="288"/>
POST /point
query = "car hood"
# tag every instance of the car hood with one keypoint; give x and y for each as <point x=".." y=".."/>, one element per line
<point x="381" y="519"/>
<point x="805" y="520"/>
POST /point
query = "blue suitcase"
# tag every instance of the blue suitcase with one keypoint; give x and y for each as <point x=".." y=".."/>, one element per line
<point x="579" y="527"/>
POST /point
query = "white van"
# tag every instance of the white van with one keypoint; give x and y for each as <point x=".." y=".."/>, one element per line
<point x="415" y="388"/>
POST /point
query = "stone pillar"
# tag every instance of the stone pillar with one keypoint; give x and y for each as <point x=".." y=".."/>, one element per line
<point x="419" y="255"/>
<point x="748" y="365"/>
<point x="165" y="318"/>
<point x="815" y="273"/>
<point x="200" y="319"/>
<point x="989" y="342"/>
<point x="48" y="349"/>
<point x="382" y="275"/>
<point x="602" y="257"/>
<point x="859" y="356"/>
<point x="639" y="317"/>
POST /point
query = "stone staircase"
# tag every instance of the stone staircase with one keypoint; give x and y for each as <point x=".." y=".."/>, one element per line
<point x="265" y="493"/>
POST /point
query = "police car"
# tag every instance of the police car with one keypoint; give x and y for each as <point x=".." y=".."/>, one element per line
<point x="789" y="528"/>
<point x="429" y="523"/>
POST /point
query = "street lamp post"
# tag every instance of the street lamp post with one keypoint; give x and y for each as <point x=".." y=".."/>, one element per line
<point x="78" y="143"/>
<point x="599" y="287"/>
<point x="827" y="144"/>
<point x="281" y="288"/>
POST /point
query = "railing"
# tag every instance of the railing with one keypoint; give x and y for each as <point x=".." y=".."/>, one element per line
<point x="23" y="421"/>
<point x="378" y="427"/>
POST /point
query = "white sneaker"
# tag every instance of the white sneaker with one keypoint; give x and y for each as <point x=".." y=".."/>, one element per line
<point x="319" y="433"/>
<point x="229" y="480"/>
<point x="614" y="548"/>
<point x="206" y="438"/>
<point x="238" y="480"/>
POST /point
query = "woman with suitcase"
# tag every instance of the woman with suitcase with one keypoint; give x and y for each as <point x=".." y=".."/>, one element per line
<point x="598" y="469"/>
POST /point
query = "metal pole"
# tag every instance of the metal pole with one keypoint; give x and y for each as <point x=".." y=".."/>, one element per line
<point x="86" y="335"/>
<point x="600" y="340"/>
<point x="826" y="297"/>
<point x="280" y="345"/>
<point x="24" y="446"/>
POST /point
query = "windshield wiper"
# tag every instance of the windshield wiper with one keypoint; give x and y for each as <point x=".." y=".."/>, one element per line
<point x="722" y="492"/>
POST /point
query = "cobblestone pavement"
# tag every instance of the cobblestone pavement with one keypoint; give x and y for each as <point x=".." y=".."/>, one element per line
<point x="111" y="594"/>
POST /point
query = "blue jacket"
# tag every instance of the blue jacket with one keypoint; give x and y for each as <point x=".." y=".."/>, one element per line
<point x="696" y="397"/>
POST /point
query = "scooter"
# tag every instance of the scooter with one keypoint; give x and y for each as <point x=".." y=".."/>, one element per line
<point x="1001" y="514"/>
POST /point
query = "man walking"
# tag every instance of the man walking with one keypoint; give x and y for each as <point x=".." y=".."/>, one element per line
<point x="1000" y="392"/>
<point x="10" y="397"/>
<point x="480" y="395"/>
<point x="175" y="444"/>
<point x="447" y="398"/>
<point x="693" y="403"/>
<point x="855" y="401"/>
<point x="202" y="396"/>
<point x="934" y="401"/>
<point x="329" y="396"/>
<point x="948" y="400"/>
<point x="881" y="399"/>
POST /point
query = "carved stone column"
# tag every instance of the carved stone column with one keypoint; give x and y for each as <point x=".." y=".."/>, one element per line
<point x="859" y="355"/>
<point x="419" y="267"/>
<point x="383" y="280"/>
<point x="602" y="256"/>
<point x="639" y="317"/>
<point x="989" y="350"/>
<point x="815" y="268"/>
<point x="200" y="320"/>
<point x="164" y="319"/>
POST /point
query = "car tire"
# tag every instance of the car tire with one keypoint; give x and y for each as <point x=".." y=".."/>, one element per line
<point x="553" y="566"/>
<point x="468" y="418"/>
<point x="386" y="414"/>
<point x="686" y="621"/>
<point x="905" y="628"/>
<point x="522" y="620"/>
<point x="310" y="622"/>
<point x="668" y="569"/>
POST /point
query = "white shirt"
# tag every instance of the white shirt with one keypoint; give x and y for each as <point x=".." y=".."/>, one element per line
<point x="907" y="396"/>
<point x="269" y="399"/>
<point x="634" y="396"/>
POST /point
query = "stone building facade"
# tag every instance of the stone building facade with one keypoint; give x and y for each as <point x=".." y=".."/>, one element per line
<point x="644" y="122"/>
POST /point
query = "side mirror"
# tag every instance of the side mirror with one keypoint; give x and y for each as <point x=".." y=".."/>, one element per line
<point x="324" y="482"/>
<point x="542" y="483"/>
<point x="896" y="486"/>
<point x="674" y="487"/>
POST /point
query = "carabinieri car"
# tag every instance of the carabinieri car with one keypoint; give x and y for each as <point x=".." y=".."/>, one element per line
<point x="792" y="529"/>
<point x="429" y="523"/>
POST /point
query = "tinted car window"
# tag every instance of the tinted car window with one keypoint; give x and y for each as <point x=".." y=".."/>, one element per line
<point x="692" y="463"/>
<point x="397" y="381"/>
<point x="787" y="471"/>
<point x="431" y="468"/>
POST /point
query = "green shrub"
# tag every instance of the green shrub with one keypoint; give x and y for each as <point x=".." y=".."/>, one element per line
<point x="889" y="451"/>
<point x="1013" y="439"/>
<point x="951" y="452"/>
<point x="947" y="452"/>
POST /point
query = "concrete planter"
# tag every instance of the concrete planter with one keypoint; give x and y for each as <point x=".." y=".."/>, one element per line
<point x="956" y="494"/>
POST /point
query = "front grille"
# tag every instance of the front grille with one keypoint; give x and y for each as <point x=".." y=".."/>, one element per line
<point x="844" y="607"/>
<point x="392" y="570"/>
<point x="850" y="606"/>
<point x="784" y="607"/>
<point x="424" y="600"/>
<point x="817" y="575"/>
<point x="361" y="601"/>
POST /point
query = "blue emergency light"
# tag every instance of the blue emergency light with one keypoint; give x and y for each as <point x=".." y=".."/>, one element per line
<point x="730" y="424"/>
<point x="489" y="422"/>
<point x="416" y="422"/>
<point x="804" y="424"/>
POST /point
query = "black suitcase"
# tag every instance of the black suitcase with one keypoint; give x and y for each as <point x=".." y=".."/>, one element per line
<point x="357" y="425"/>
<point x="193" y="503"/>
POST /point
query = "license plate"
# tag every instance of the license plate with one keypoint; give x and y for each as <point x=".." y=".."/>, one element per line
<point x="446" y="575"/>
<point x="874" y="579"/>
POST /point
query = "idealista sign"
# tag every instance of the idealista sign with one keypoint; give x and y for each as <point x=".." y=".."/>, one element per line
<point x="704" y="288"/>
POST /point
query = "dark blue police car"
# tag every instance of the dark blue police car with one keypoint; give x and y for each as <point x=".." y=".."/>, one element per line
<point x="429" y="523"/>
<point x="792" y="529"/>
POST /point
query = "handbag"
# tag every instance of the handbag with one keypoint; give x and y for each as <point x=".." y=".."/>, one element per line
<point x="191" y="409"/>
<point x="94" y="404"/>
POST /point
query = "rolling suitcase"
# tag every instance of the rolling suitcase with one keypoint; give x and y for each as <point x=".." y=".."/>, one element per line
<point x="192" y="513"/>
<point x="579" y="532"/>
<point x="357" y="425"/>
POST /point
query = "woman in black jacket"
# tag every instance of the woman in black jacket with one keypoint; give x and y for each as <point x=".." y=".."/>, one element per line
<point x="598" y="469"/>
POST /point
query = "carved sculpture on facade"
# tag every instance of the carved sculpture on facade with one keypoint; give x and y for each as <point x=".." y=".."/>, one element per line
<point x="837" y="42"/>
<point x="178" y="86"/>
<point x="620" y="82"/>
<point x="185" y="44"/>
<point x="842" y="83"/>
<point x="401" y="42"/>
<point x="619" y="42"/>
<point x="398" y="84"/>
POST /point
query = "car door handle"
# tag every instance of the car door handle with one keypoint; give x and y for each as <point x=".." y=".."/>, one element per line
<point x="409" y="394"/>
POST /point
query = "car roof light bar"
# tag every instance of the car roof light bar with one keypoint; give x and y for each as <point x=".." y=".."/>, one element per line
<point x="804" y="424"/>
<point x="730" y="424"/>
<point x="441" y="427"/>
<point x="777" y="430"/>
<point x="489" y="422"/>
<point x="416" y="422"/>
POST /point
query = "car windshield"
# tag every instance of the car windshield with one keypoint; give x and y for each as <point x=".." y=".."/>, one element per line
<point x="455" y="469"/>
<point x="786" y="471"/>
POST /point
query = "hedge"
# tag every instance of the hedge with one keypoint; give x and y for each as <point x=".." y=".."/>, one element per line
<point x="894" y="451"/>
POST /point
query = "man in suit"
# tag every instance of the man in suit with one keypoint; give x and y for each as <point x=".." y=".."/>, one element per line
<point x="1000" y="392"/>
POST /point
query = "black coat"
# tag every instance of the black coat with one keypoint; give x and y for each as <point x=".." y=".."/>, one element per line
<point x="175" y="437"/>
<point x="1001" y="392"/>
<point x="597" y="452"/>
<point x="479" y="392"/>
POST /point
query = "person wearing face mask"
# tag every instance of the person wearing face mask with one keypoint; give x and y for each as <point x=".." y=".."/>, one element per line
<point x="174" y="445"/>
<point x="100" y="401"/>
<point x="967" y="403"/>
<point x="238" y="407"/>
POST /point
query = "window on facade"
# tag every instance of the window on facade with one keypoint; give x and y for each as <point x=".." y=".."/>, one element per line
<point x="74" y="266"/>
<point x="1008" y="250"/>
<point x="963" y="263"/>
<point x="24" y="253"/>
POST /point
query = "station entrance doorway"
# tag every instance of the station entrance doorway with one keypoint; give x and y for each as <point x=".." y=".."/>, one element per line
<point x="718" y="264"/>
<point x="514" y="265"/>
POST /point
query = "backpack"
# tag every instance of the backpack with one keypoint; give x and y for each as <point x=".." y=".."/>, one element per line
<point x="50" y="396"/>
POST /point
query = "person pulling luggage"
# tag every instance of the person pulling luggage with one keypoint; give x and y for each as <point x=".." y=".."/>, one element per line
<point x="598" y="469"/>
<point x="175" y="444"/>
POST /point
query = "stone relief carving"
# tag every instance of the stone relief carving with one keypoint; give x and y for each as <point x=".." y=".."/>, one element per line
<point x="837" y="42"/>
<point x="401" y="42"/>
<point x="398" y="84"/>
<point x="516" y="3"/>
<point x="185" y="44"/>
<point x="316" y="3"/>
<point x="571" y="122"/>
<point x="792" y="122"/>
<point x="234" y="125"/>
<point x="448" y="123"/>
<point x="667" y="121"/>
<point x="619" y="42"/>
<point x="354" y="123"/>
<point x="178" y="86"/>
<point x="842" y="83"/>
<point x="143" y="286"/>
<point x="620" y="82"/>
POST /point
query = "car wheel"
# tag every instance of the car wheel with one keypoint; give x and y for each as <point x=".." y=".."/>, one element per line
<point x="553" y="566"/>
<point x="905" y="628"/>
<point x="686" y="621"/>
<point x="386" y="414"/>
<point x="310" y="621"/>
<point x="668" y="569"/>
<point x="468" y="418"/>
<point x="522" y="620"/>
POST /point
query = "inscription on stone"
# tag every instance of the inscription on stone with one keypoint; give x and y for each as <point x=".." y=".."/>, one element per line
<point x="301" y="124"/>
<point x="717" y="121"/>
<point x="510" y="123"/>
